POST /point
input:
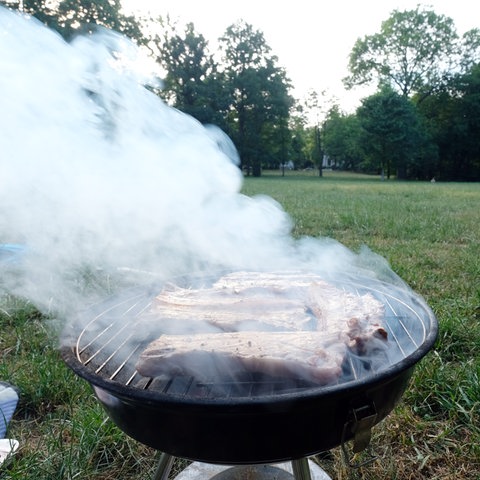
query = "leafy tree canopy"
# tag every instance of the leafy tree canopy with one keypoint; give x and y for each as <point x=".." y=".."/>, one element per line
<point x="340" y="138"/>
<point x="470" y="46"/>
<point x="69" y="17"/>
<point x="392" y="133"/>
<point x="453" y="118"/>
<point x="413" y="52"/>
<point x="259" y="93"/>
<point x="192" y="82"/>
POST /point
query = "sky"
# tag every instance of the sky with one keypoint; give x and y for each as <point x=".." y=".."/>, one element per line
<point x="312" y="40"/>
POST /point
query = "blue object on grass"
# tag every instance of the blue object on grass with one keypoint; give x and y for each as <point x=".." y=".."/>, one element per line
<point x="10" y="252"/>
<point x="8" y="403"/>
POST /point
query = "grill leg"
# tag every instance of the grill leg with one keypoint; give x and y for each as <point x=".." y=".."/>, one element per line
<point x="164" y="466"/>
<point x="301" y="469"/>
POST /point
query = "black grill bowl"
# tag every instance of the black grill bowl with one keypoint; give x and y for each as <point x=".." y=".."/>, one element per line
<point x="255" y="428"/>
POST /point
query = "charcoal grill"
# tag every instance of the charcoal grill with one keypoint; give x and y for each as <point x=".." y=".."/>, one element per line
<point x="253" y="419"/>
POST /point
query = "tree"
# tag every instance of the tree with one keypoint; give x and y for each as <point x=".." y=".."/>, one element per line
<point x="466" y="122"/>
<point x="85" y="14"/>
<point x="299" y="150"/>
<point x="314" y="108"/>
<point x="192" y="82"/>
<point x="260" y="102"/>
<point x="453" y="119"/>
<point x="40" y="9"/>
<point x="413" y="53"/>
<point x="340" y="138"/>
<point x="69" y="17"/>
<point x="470" y="47"/>
<point x="391" y="133"/>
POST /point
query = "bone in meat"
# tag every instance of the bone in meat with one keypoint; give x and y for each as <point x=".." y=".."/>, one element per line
<point x="359" y="316"/>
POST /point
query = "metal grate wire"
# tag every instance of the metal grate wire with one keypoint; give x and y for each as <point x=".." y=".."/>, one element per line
<point x="111" y="342"/>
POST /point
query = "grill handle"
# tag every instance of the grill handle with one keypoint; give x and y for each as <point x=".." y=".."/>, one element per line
<point x="360" y="422"/>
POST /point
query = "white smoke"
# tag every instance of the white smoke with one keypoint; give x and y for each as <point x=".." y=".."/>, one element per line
<point x="100" y="179"/>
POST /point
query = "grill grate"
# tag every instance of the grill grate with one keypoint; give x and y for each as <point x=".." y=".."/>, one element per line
<point x="110" y="345"/>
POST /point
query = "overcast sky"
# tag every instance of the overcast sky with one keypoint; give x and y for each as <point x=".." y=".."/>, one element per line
<point x="312" y="40"/>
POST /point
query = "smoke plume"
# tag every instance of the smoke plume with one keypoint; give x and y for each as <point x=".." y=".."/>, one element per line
<point x="104" y="184"/>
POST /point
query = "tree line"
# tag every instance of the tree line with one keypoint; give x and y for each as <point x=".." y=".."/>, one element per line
<point x="423" y="122"/>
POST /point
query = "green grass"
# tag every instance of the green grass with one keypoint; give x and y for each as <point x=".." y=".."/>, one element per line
<point x="429" y="233"/>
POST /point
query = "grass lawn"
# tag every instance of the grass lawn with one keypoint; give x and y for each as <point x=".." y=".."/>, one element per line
<point x="429" y="233"/>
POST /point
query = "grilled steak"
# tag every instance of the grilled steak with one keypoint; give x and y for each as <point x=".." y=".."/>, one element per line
<point x="312" y="356"/>
<point x="240" y="301"/>
<point x="266" y="301"/>
<point x="276" y="323"/>
<point x="229" y="311"/>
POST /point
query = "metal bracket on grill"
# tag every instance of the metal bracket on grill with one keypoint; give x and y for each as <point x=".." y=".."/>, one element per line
<point x="360" y="422"/>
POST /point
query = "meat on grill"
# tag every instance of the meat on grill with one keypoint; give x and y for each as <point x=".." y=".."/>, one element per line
<point x="312" y="356"/>
<point x="277" y="323"/>
<point x="266" y="301"/>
